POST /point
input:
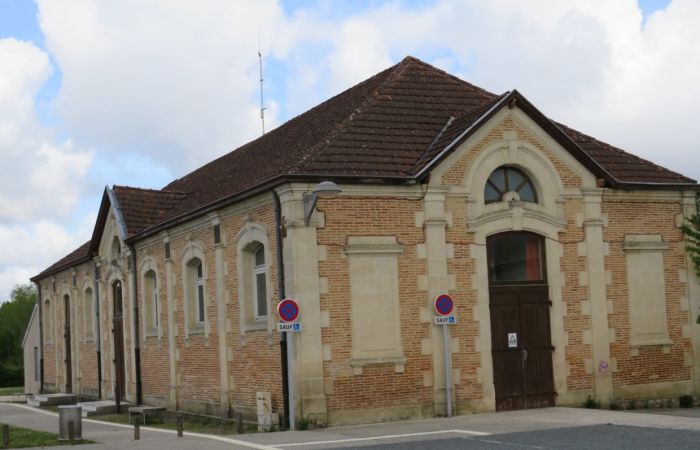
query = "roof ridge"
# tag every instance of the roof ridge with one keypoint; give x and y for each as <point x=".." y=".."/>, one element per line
<point x="395" y="72"/>
<point x="136" y="188"/>
<point x="452" y="77"/>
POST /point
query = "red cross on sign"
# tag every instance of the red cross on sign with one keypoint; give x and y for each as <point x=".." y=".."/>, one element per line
<point x="288" y="310"/>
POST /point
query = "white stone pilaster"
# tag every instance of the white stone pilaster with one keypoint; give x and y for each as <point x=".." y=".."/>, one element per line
<point x="302" y="283"/>
<point x="597" y="294"/>
<point x="172" y="350"/>
<point x="434" y="226"/>
<point x="220" y="283"/>
<point x="693" y="293"/>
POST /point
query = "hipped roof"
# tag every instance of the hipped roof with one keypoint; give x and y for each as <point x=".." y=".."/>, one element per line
<point x="391" y="128"/>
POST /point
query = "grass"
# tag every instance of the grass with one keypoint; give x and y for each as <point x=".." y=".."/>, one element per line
<point x="12" y="390"/>
<point x="192" y="424"/>
<point x="23" y="438"/>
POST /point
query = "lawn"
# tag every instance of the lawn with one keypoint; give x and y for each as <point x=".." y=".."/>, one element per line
<point x="22" y="438"/>
<point x="192" y="424"/>
<point x="11" y="390"/>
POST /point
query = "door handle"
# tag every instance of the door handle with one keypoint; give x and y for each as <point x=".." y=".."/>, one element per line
<point x="524" y="355"/>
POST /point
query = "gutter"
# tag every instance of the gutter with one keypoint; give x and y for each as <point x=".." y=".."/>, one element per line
<point x="137" y="344"/>
<point x="98" y="337"/>
<point x="279" y="232"/>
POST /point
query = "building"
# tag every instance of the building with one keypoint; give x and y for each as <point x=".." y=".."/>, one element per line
<point x="31" y="344"/>
<point x="563" y="255"/>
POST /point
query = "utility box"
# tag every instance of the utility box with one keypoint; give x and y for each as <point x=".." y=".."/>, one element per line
<point x="67" y="415"/>
<point x="266" y="419"/>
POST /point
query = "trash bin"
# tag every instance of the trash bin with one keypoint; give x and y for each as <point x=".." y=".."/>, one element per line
<point x="68" y="414"/>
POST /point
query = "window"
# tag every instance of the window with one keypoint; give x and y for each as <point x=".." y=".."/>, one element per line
<point x="47" y="320"/>
<point x="194" y="276"/>
<point x="516" y="257"/>
<point x="509" y="179"/>
<point x="254" y="288"/>
<point x="116" y="250"/>
<point x="88" y="320"/>
<point x="150" y="302"/>
<point x="199" y="283"/>
<point x="259" y="281"/>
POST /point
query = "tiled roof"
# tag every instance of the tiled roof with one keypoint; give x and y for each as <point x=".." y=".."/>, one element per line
<point x="390" y="127"/>
<point x="142" y="208"/>
<point x="77" y="256"/>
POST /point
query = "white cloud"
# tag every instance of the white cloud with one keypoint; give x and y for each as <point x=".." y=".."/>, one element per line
<point x="37" y="177"/>
<point x="175" y="79"/>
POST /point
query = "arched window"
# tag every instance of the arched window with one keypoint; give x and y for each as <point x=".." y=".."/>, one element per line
<point x="259" y="280"/>
<point x="150" y="302"/>
<point x="509" y="179"/>
<point x="47" y="320"/>
<point x="195" y="294"/>
<point x="89" y="320"/>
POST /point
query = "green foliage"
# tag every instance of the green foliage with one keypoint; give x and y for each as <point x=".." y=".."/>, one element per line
<point x="685" y="401"/>
<point x="691" y="230"/>
<point x="14" y="318"/>
<point x="591" y="403"/>
<point x="24" y="437"/>
<point x="303" y="424"/>
<point x="631" y="404"/>
<point x="614" y="406"/>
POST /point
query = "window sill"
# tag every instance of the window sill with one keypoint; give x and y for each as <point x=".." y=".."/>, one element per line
<point x="665" y="344"/>
<point x="398" y="361"/>
<point x="152" y="333"/>
<point x="255" y="326"/>
<point x="196" y="329"/>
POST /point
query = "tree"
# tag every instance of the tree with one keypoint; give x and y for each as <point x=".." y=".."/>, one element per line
<point x="14" y="318"/>
<point x="691" y="229"/>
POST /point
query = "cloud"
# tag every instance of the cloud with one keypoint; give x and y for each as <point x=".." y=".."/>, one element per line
<point x="38" y="177"/>
<point x="176" y="80"/>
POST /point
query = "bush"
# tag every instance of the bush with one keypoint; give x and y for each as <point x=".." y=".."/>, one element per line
<point x="614" y="406"/>
<point x="685" y="401"/>
<point x="631" y="404"/>
<point x="591" y="403"/>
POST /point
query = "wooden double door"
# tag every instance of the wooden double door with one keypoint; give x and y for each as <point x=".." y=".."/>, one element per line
<point x="118" y="337"/>
<point x="520" y="327"/>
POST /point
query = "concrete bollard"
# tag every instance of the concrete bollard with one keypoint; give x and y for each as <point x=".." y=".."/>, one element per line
<point x="5" y="435"/>
<point x="70" y="423"/>
<point x="137" y="429"/>
<point x="179" y="425"/>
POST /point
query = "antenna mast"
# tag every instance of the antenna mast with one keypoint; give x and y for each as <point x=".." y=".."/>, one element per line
<point x="262" y="105"/>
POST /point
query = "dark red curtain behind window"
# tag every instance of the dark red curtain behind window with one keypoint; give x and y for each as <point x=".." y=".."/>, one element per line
<point x="532" y="255"/>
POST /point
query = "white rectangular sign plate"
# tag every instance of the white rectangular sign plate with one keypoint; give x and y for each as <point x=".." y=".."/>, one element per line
<point x="512" y="340"/>
<point x="290" y="326"/>
<point x="445" y="320"/>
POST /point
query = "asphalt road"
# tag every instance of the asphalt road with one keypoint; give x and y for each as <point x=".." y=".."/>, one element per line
<point x="590" y="437"/>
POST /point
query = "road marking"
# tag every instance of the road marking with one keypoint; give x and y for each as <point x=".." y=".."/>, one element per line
<point x="159" y="430"/>
<point x="389" y="436"/>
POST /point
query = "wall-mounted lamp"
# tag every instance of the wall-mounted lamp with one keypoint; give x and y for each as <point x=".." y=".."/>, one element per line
<point x="324" y="189"/>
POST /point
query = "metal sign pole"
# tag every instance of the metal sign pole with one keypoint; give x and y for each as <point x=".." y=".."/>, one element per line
<point x="448" y="368"/>
<point x="290" y="379"/>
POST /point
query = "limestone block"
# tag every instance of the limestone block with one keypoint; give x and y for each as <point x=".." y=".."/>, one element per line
<point x="634" y="351"/>
<point x="686" y="331"/>
<point x="399" y="368"/>
<point x="606" y="248"/>
<point x="323" y="285"/>
<point x="328" y="385"/>
<point x="322" y="251"/>
<point x="423" y="283"/>
<point x="586" y="337"/>
<point x="327" y="352"/>
<point x="452" y="282"/>
<point x="427" y="378"/>
<point x="426" y="346"/>
<point x="426" y="314"/>
<point x="450" y="250"/>
<point x="325" y="318"/>
<point x="688" y="359"/>
<point x="586" y="307"/>
<point x="682" y="276"/>
<point x="456" y="376"/>
<point x="588" y="365"/>
<point x="479" y="378"/>
<point x="421" y="252"/>
<point x="608" y="278"/>
<point x="454" y="345"/>
<point x="685" y="304"/>
<point x="613" y="364"/>
<point x="581" y="249"/>
<point x="612" y="335"/>
<point x="420" y="218"/>
<point x="583" y="278"/>
<point x="611" y="306"/>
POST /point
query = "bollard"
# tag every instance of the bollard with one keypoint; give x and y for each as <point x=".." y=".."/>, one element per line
<point x="239" y="423"/>
<point x="71" y="431"/>
<point x="137" y="429"/>
<point x="179" y="425"/>
<point x="5" y="435"/>
<point x="70" y="425"/>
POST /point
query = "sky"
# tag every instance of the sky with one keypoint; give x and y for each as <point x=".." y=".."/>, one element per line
<point x="139" y="92"/>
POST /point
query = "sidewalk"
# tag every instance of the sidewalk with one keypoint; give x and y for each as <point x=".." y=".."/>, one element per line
<point x="118" y="436"/>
